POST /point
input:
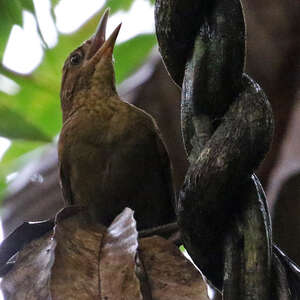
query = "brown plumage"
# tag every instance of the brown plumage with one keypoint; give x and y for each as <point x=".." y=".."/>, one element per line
<point x="110" y="153"/>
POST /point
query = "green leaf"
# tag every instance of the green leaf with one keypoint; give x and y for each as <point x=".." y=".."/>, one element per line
<point x="28" y="5"/>
<point x="17" y="157"/>
<point x="37" y="101"/>
<point x="54" y="2"/>
<point x="181" y="248"/>
<point x="14" y="126"/>
<point x="16" y="150"/>
<point x="10" y="14"/>
<point x="119" y="5"/>
<point x="5" y="29"/>
<point x="14" y="11"/>
<point x="3" y="186"/>
<point x="131" y="54"/>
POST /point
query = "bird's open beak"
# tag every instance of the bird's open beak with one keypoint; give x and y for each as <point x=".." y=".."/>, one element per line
<point x="99" y="44"/>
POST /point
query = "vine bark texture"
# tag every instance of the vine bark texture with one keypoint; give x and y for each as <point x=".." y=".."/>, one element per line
<point x="227" y="127"/>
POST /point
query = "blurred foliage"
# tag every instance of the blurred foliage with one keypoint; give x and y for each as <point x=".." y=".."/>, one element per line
<point x="32" y="117"/>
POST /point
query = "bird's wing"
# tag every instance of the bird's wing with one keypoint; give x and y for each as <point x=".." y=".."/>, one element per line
<point x="166" y="168"/>
<point x="65" y="182"/>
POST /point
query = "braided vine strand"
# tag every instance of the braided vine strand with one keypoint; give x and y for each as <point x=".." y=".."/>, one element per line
<point x="212" y="80"/>
<point x="196" y="38"/>
<point x="222" y="31"/>
<point x="227" y="128"/>
<point x="209" y="202"/>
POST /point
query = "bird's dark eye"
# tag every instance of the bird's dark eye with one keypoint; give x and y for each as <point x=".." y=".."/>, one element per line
<point x="76" y="59"/>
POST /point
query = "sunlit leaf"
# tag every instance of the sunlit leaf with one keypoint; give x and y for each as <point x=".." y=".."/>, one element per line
<point x="3" y="186"/>
<point x="119" y="5"/>
<point x="14" y="11"/>
<point x="17" y="149"/>
<point x="131" y="54"/>
<point x="14" y="126"/>
<point x="19" y="154"/>
<point x="5" y="29"/>
<point x="37" y="101"/>
<point x="28" y="5"/>
<point x="54" y="2"/>
<point x="15" y="159"/>
<point x="11" y="14"/>
<point x="181" y="248"/>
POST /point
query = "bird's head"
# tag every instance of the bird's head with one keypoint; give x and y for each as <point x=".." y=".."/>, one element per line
<point x="88" y="71"/>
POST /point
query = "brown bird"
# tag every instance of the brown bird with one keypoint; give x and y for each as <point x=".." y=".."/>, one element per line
<point x="111" y="154"/>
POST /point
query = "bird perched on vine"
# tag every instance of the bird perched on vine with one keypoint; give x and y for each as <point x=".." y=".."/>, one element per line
<point x="111" y="154"/>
